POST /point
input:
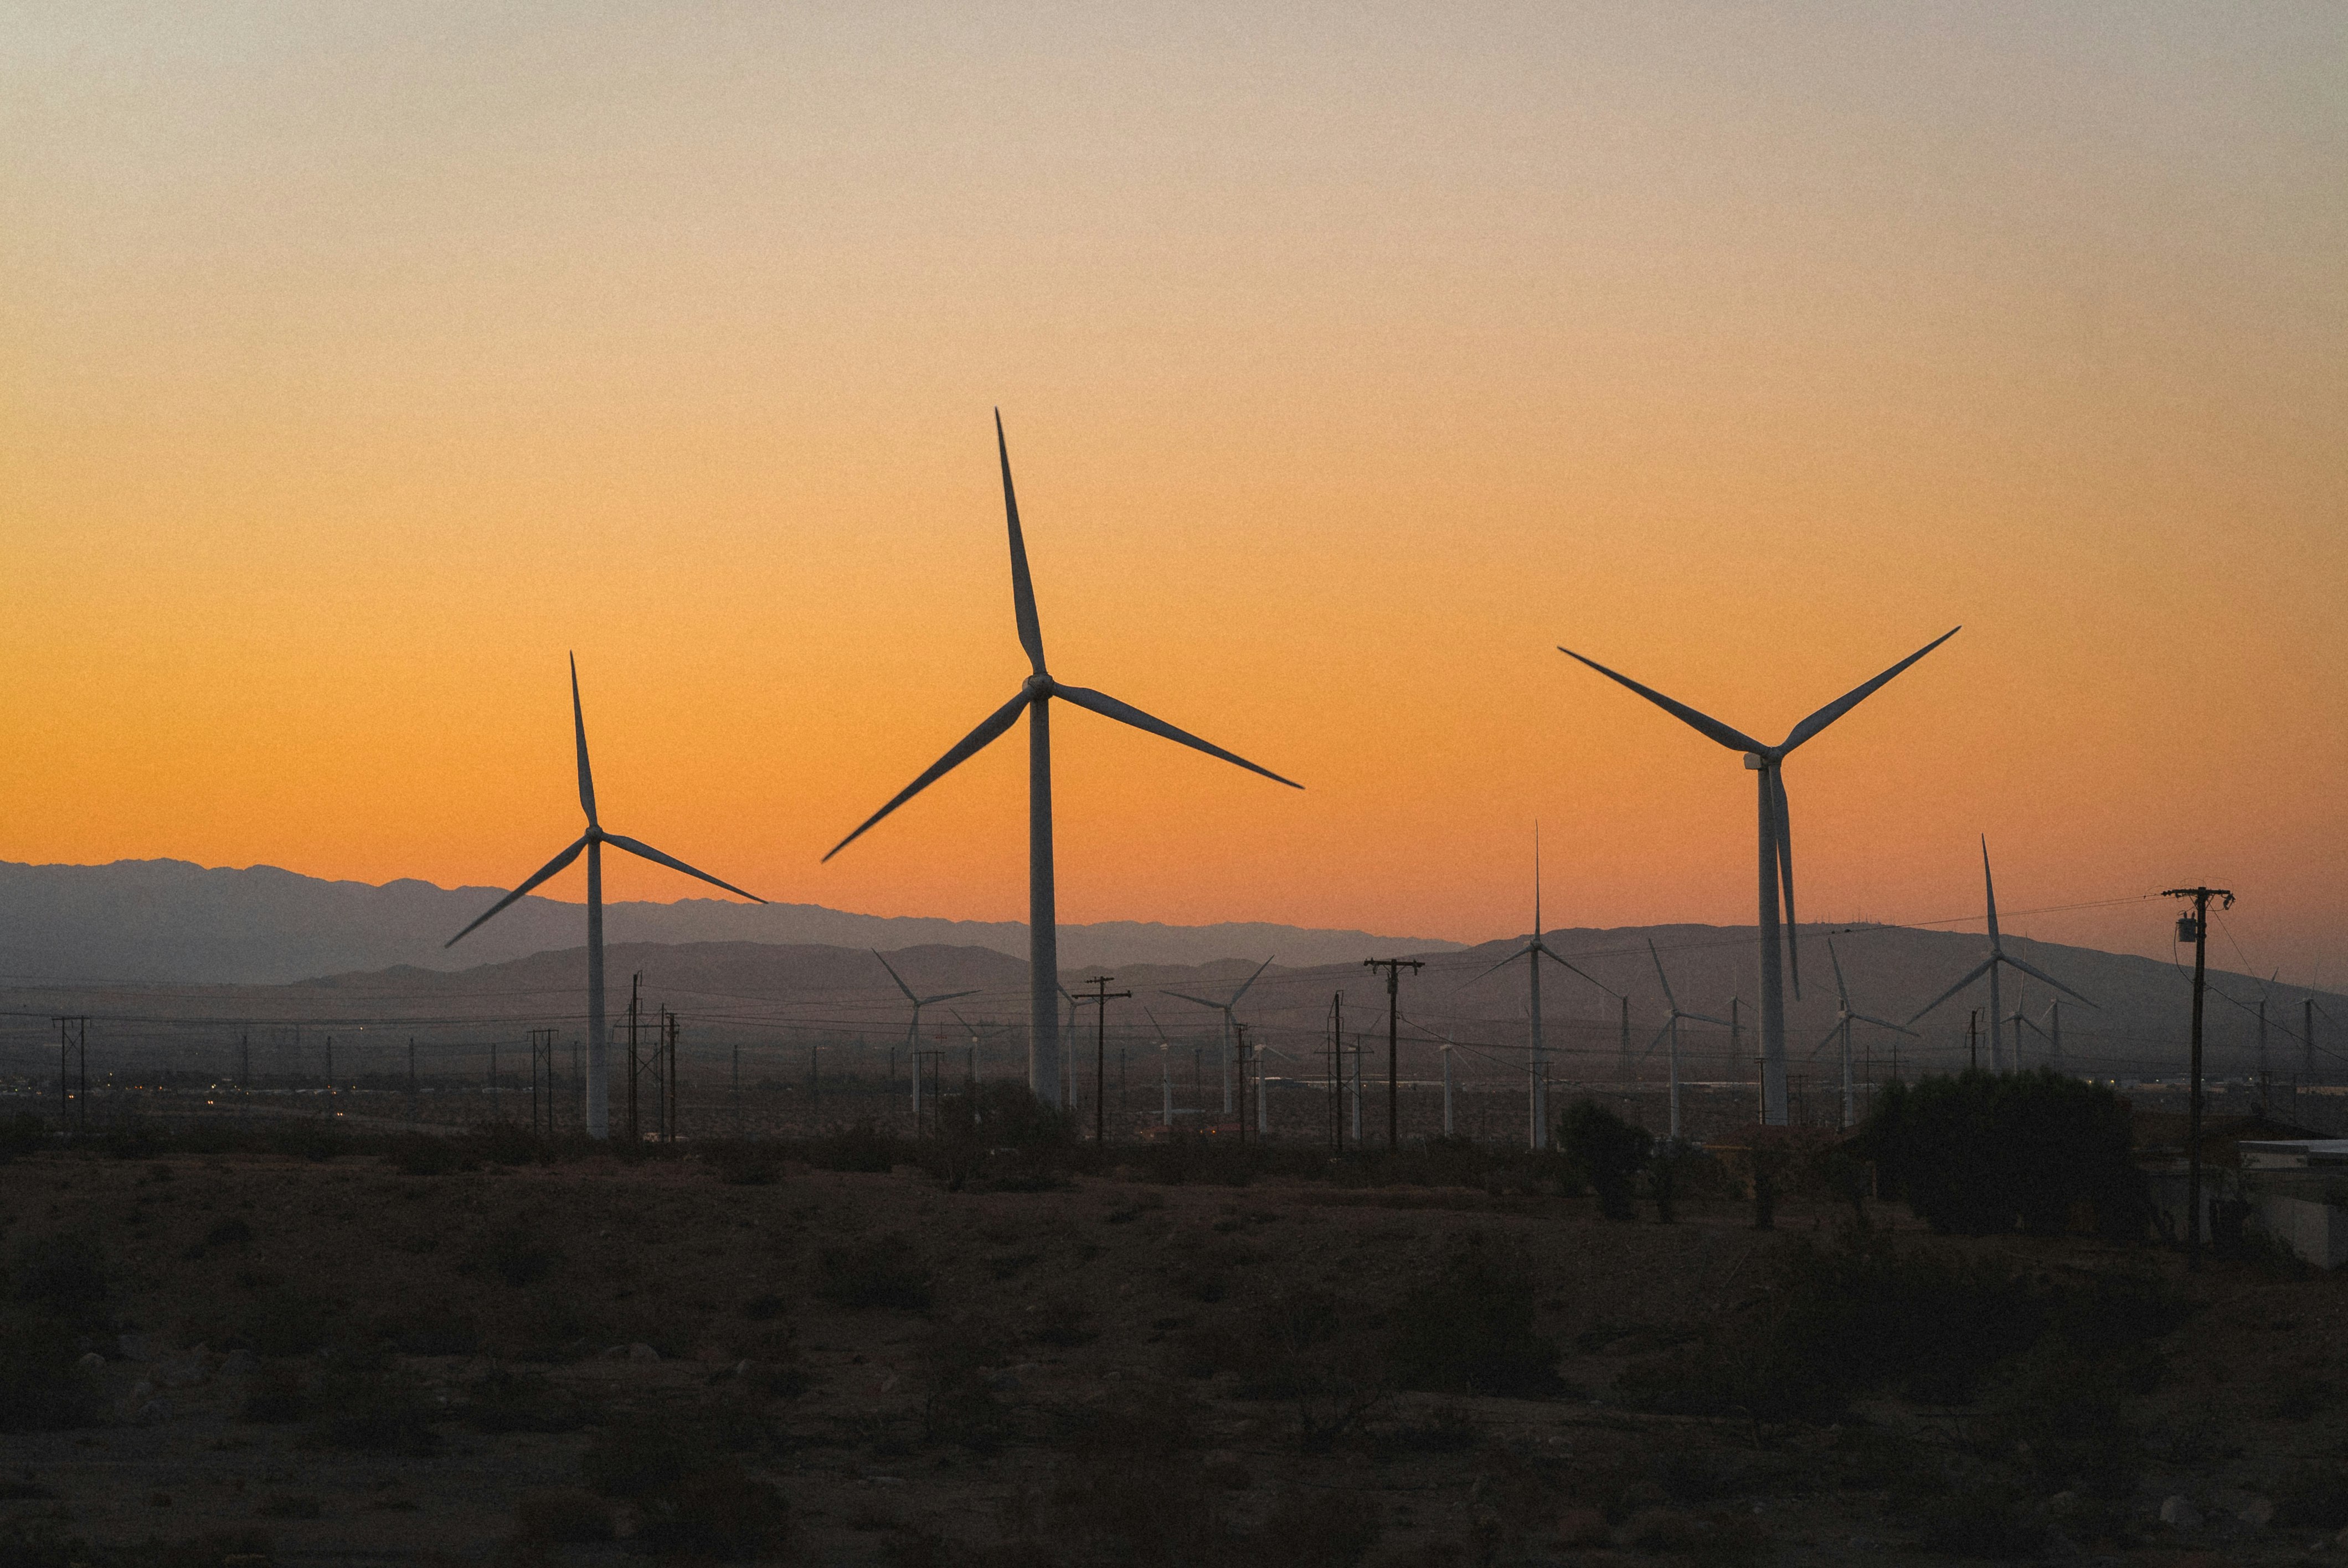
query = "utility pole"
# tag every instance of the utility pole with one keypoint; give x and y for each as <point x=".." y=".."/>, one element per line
<point x="1100" y="998"/>
<point x="2196" y="926"/>
<point x="636" y="1007"/>
<point x="245" y="1066"/>
<point x="1239" y="1044"/>
<point x="1393" y="968"/>
<point x="738" y="1084"/>
<point x="330" y="1076"/>
<point x="1622" y="1060"/>
<point x="814" y="1089"/>
<point x="73" y="1038"/>
<point x="495" y="1115"/>
<point x="1337" y="1071"/>
<point x="1972" y="1040"/>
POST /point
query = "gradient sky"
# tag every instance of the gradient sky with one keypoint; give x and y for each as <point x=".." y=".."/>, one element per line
<point x="357" y="360"/>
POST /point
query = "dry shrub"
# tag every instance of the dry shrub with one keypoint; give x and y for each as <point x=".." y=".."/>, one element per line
<point x="1317" y="1530"/>
<point x="723" y="1513"/>
<point x="562" y="1514"/>
<point x="882" y="1272"/>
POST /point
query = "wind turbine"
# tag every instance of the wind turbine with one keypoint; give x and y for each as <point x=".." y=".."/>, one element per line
<point x="1230" y="1018"/>
<point x="1776" y="847"/>
<point x="1034" y="699"/>
<point x="1165" y="1068"/>
<point x="1671" y="1028"/>
<point x="913" y="1028"/>
<point x="1989" y="966"/>
<point x="1844" y="1018"/>
<point x="599" y="1087"/>
<point x="1533" y="952"/>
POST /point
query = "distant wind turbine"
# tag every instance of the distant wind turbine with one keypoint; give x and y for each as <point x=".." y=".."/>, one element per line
<point x="1671" y="1031"/>
<point x="913" y="1028"/>
<point x="1230" y="1019"/>
<point x="1997" y="956"/>
<point x="1776" y="848"/>
<point x="1844" y="1018"/>
<point x="1034" y="699"/>
<point x="599" y="1085"/>
<point x="1533" y="952"/>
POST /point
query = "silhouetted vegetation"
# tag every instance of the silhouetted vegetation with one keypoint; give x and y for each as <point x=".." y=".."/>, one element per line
<point x="1606" y="1152"/>
<point x="1980" y="1153"/>
<point x="1469" y="1328"/>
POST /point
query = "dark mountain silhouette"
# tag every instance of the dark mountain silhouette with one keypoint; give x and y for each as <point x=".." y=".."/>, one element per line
<point x="169" y="920"/>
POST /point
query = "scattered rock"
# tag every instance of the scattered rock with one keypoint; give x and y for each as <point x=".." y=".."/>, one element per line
<point x="236" y="1364"/>
<point x="2258" y="1513"/>
<point x="2063" y="1504"/>
<point x="643" y="1353"/>
<point x="92" y="1359"/>
<point x="2178" y="1513"/>
<point x="135" y="1347"/>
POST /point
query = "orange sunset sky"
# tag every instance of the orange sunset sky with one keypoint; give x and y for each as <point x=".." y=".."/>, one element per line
<point x="358" y="361"/>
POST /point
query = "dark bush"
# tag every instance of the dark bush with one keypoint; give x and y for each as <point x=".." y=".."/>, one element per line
<point x="1605" y="1152"/>
<point x="22" y="1134"/>
<point x="231" y="1232"/>
<point x="281" y="1321"/>
<point x="753" y="1164"/>
<point x="63" y="1273"/>
<point x="1865" y="1314"/>
<point x="43" y="1386"/>
<point x="2312" y="1494"/>
<point x="1983" y="1521"/>
<point x="867" y="1147"/>
<point x="1469" y="1328"/>
<point x="305" y="1138"/>
<point x="563" y="1515"/>
<point x="635" y="1460"/>
<point x="515" y="1255"/>
<point x="881" y="1272"/>
<point x="365" y="1404"/>
<point x="423" y="1154"/>
<point x="1980" y="1154"/>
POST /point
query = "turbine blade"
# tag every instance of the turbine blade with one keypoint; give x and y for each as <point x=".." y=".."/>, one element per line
<point x="1577" y="970"/>
<point x="638" y="848"/>
<point x="1660" y="975"/>
<point x="1842" y="992"/>
<point x="1976" y="972"/>
<point x="1125" y="712"/>
<point x="540" y="875"/>
<point x="1852" y="699"/>
<point x="946" y="997"/>
<point x="578" y="733"/>
<point x="1251" y="982"/>
<point x="1885" y="1023"/>
<point x="993" y="725"/>
<point x="1504" y="963"/>
<point x="1784" y="837"/>
<point x="2039" y="974"/>
<point x="1656" y="1041"/>
<point x="1735" y="740"/>
<point x="1989" y="888"/>
<point x="1706" y="1017"/>
<point x="897" y="977"/>
<point x="1186" y="996"/>
<point x="1023" y="588"/>
<point x="1831" y="1035"/>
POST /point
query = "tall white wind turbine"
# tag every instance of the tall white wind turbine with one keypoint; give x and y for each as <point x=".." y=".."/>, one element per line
<point x="1776" y="840"/>
<point x="1671" y="1031"/>
<point x="913" y="1028"/>
<point x="592" y="841"/>
<point x="1230" y="1021"/>
<point x="1844" y="1018"/>
<point x="1035" y="699"/>
<point x="1533" y="952"/>
<point x="1998" y="957"/>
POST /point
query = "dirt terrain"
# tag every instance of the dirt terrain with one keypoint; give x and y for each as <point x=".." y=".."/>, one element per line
<point x="422" y="1354"/>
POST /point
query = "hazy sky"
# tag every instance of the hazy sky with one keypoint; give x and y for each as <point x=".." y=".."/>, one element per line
<point x="357" y="360"/>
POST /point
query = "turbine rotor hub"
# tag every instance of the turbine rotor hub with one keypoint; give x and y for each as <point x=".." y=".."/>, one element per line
<point x="1038" y="685"/>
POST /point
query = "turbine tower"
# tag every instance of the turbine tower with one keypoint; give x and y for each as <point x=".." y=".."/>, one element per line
<point x="1230" y="1021"/>
<point x="1776" y="841"/>
<point x="599" y="1085"/>
<point x="1844" y="1019"/>
<point x="1034" y="699"/>
<point x="1672" y="1030"/>
<point x="1997" y="956"/>
<point x="913" y="1029"/>
<point x="1533" y="952"/>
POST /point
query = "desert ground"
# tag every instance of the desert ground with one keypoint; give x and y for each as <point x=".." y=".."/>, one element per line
<point x="496" y="1348"/>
